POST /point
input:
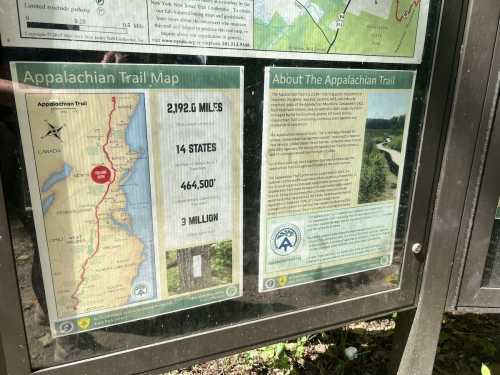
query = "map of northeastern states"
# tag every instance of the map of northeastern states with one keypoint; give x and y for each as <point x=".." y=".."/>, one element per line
<point x="358" y="27"/>
<point x="93" y="173"/>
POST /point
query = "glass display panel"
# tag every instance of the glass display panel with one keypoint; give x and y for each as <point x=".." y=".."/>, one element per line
<point x="47" y="350"/>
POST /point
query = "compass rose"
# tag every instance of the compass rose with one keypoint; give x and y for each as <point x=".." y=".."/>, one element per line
<point x="54" y="131"/>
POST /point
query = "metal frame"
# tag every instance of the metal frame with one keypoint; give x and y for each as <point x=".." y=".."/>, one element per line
<point x="472" y="293"/>
<point x="215" y="343"/>
<point x="13" y="339"/>
<point x="466" y="293"/>
<point x="458" y="161"/>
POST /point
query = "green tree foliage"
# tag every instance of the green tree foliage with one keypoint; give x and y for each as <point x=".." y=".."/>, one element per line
<point x="221" y="261"/>
<point x="394" y="123"/>
<point x="373" y="174"/>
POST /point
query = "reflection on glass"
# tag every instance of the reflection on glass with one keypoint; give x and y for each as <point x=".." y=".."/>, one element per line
<point x="45" y="350"/>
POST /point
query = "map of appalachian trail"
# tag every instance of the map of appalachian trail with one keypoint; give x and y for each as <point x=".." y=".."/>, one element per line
<point x="365" y="27"/>
<point x="92" y="164"/>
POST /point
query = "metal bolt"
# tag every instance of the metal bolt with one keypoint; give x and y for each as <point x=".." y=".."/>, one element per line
<point x="416" y="248"/>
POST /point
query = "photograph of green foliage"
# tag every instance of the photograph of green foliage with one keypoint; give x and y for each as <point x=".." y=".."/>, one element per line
<point x="201" y="267"/>
<point x="382" y="151"/>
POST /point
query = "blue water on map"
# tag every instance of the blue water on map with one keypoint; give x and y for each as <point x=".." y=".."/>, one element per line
<point x="136" y="186"/>
<point x="52" y="180"/>
<point x="124" y="226"/>
<point x="56" y="177"/>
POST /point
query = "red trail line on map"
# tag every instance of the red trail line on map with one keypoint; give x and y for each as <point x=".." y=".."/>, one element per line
<point x="108" y="188"/>
<point x="400" y="18"/>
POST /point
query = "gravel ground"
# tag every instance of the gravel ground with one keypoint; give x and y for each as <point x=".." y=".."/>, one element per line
<point x="466" y="342"/>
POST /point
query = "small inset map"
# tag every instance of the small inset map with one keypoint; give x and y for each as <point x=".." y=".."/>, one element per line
<point x="91" y="154"/>
<point x="353" y="27"/>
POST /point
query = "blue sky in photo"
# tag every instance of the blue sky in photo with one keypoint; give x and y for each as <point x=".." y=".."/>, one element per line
<point x="388" y="104"/>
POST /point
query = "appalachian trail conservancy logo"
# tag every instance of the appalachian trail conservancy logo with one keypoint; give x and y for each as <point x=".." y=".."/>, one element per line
<point x="285" y="239"/>
<point x="140" y="291"/>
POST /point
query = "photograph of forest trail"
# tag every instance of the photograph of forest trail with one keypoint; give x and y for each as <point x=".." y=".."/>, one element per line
<point x="382" y="152"/>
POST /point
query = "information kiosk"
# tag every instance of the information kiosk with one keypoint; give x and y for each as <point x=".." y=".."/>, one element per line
<point x="184" y="180"/>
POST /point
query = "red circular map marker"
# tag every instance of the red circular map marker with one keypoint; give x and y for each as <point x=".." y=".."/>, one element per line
<point x="100" y="174"/>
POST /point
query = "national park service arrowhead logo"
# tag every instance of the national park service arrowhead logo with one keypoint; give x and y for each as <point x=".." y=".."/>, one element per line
<point x="84" y="323"/>
<point x="286" y="239"/>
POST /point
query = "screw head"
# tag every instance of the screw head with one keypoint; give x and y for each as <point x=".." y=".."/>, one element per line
<point x="416" y="248"/>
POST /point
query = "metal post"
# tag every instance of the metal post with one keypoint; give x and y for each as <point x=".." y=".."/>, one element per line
<point x="3" y="364"/>
<point x="472" y="81"/>
<point x="15" y="356"/>
<point x="404" y="321"/>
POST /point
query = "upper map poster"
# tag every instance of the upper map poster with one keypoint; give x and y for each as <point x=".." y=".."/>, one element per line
<point x="337" y="30"/>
